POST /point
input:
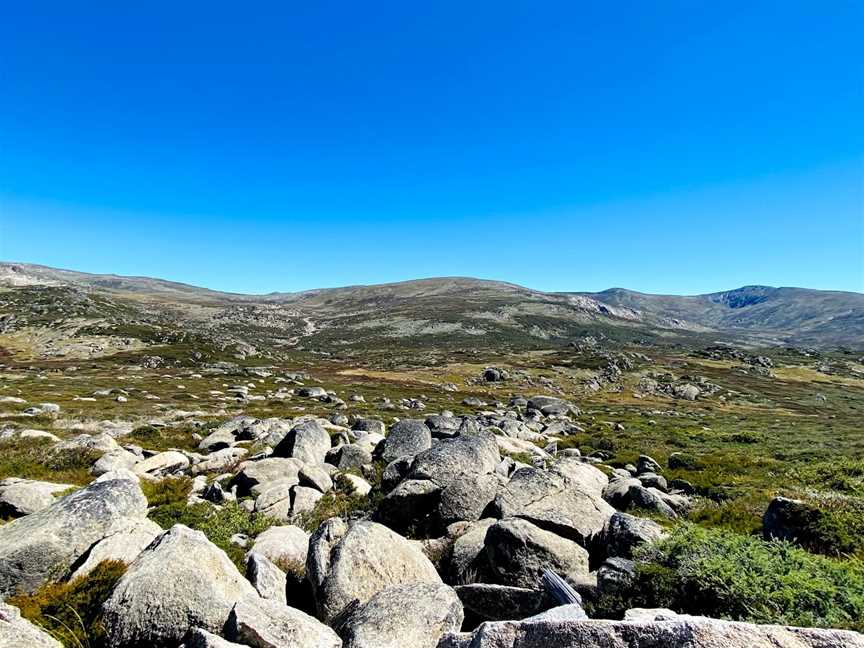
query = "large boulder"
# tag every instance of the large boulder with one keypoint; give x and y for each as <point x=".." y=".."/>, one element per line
<point x="286" y="545"/>
<point x="18" y="632"/>
<point x="519" y="551"/>
<point x="25" y="496"/>
<point x="566" y="499"/>
<point x="551" y="406"/>
<point x="44" y="545"/>
<point x="125" y="545"/>
<point x="407" y="438"/>
<point x="450" y="459"/>
<point x="254" y="476"/>
<point x="403" y="616"/>
<point x="490" y="602"/>
<point x="626" y="532"/>
<point x="358" y="561"/>
<point x="648" y="630"/>
<point x="308" y="442"/>
<point x="180" y="581"/>
<point x="268" y="624"/>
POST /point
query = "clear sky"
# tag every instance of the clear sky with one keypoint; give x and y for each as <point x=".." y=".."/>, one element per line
<point x="662" y="146"/>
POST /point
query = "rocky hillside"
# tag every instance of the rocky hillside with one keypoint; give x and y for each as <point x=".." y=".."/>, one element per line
<point x="425" y="315"/>
<point x="780" y="315"/>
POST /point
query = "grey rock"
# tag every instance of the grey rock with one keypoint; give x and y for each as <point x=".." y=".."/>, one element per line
<point x="180" y="581"/>
<point x="664" y="631"/>
<point x="551" y="406"/>
<point x="198" y="638"/>
<point x="616" y="575"/>
<point x="358" y="561"/>
<point x="253" y="475"/>
<point x="124" y="545"/>
<point x="449" y="459"/>
<point x="119" y="459"/>
<point x="164" y="463"/>
<point x="369" y="425"/>
<point x="268" y="624"/>
<point x="468" y="558"/>
<point x="285" y="545"/>
<point x="564" y="499"/>
<point x="626" y="532"/>
<point x="351" y="456"/>
<point x="25" y="496"/>
<point x="413" y="615"/>
<point x="407" y="438"/>
<point x="467" y="498"/>
<point x="308" y="442"/>
<point x="519" y="551"/>
<point x="220" y="461"/>
<point x="18" y="632"/>
<point x="267" y="579"/>
<point x="410" y="502"/>
<point x="314" y="476"/>
<point x="490" y="602"/>
<point x="44" y="545"/>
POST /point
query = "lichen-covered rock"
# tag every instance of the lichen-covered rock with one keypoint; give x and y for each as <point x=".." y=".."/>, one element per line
<point x="358" y="561"/>
<point x="180" y="581"/>
<point x="403" y="616"/>
<point x="25" y="496"/>
<point x="268" y="624"/>
<point x="518" y="552"/>
<point x="18" y="632"/>
<point x="267" y="579"/>
<point x="565" y="499"/>
<point x="125" y="545"/>
<point x="407" y="438"/>
<point x="44" y="545"/>
<point x="664" y="629"/>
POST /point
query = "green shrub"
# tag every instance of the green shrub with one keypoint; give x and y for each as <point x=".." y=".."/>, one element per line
<point x="218" y="524"/>
<point x="723" y="574"/>
<point x="845" y="475"/>
<point x="829" y="524"/>
<point x="72" y="612"/>
<point x="159" y="438"/>
<point x="342" y="501"/>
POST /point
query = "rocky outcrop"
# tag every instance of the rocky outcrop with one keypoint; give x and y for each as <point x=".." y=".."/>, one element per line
<point x="648" y="629"/>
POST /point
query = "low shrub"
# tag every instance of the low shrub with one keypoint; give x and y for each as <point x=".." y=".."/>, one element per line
<point x="342" y="501"/>
<point x="72" y="612"/>
<point x="37" y="459"/>
<point x="218" y="524"/>
<point x="724" y="574"/>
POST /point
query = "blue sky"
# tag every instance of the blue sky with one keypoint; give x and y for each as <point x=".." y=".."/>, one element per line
<point x="676" y="147"/>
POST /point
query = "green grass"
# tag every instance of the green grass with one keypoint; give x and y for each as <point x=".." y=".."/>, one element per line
<point x="36" y="459"/>
<point x="723" y="574"/>
<point x="160" y="439"/>
<point x="72" y="612"/>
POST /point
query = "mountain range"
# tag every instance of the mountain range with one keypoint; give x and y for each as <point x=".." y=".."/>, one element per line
<point x="426" y="312"/>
